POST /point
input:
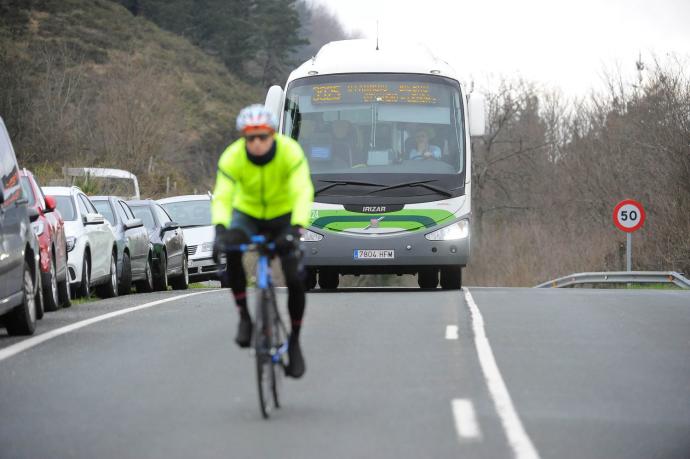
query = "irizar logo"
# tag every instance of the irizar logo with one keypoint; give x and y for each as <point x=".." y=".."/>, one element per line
<point x="374" y="209"/>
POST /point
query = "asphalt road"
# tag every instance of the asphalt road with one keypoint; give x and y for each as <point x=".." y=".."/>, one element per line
<point x="390" y="373"/>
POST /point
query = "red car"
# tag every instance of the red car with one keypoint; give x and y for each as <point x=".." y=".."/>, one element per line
<point x="50" y="231"/>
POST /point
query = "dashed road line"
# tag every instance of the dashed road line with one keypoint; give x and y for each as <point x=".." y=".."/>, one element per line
<point x="518" y="439"/>
<point x="27" y="344"/>
<point x="452" y="332"/>
<point x="466" y="424"/>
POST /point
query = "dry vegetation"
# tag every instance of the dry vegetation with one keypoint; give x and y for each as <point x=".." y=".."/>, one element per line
<point x="547" y="176"/>
<point x="88" y="84"/>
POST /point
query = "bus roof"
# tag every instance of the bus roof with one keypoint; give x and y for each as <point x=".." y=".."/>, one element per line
<point x="362" y="56"/>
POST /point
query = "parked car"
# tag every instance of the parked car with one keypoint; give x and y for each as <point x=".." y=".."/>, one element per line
<point x="50" y="230"/>
<point x="134" y="251"/>
<point x="193" y="213"/>
<point x="19" y="251"/>
<point x="91" y="247"/>
<point x="170" y="263"/>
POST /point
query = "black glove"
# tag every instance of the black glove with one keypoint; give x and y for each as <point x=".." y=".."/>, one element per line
<point x="289" y="239"/>
<point x="220" y="243"/>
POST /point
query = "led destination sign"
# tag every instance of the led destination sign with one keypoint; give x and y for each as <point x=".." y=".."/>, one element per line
<point x="381" y="92"/>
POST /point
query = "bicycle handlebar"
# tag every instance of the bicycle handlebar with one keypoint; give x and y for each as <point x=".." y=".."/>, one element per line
<point x="257" y="243"/>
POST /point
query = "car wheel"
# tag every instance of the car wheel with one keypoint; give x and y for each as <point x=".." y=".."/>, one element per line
<point x="225" y="277"/>
<point x="161" y="281"/>
<point x="427" y="278"/>
<point x="182" y="281"/>
<point x="38" y="291"/>
<point x="84" y="289"/>
<point x="329" y="279"/>
<point x="146" y="285"/>
<point x="451" y="277"/>
<point x="63" y="288"/>
<point x="126" y="279"/>
<point x="51" y="296"/>
<point x="309" y="279"/>
<point x="22" y="319"/>
<point x="109" y="289"/>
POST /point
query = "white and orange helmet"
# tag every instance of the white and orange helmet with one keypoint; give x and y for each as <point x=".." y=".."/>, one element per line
<point x="256" y="116"/>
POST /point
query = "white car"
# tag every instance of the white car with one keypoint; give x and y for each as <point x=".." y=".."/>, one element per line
<point x="193" y="213"/>
<point x="91" y="246"/>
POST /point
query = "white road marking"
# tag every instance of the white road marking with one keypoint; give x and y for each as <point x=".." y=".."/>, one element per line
<point x="518" y="439"/>
<point x="15" y="349"/>
<point x="466" y="424"/>
<point x="452" y="332"/>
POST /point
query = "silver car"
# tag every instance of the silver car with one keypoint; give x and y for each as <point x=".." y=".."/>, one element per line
<point x="193" y="213"/>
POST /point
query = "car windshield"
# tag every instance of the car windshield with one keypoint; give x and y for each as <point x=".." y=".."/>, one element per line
<point x="104" y="209"/>
<point x="190" y="213"/>
<point x="145" y="214"/>
<point x="377" y="124"/>
<point x="65" y="206"/>
<point x="28" y="192"/>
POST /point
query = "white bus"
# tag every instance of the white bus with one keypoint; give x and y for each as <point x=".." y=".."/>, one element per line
<point x="387" y="135"/>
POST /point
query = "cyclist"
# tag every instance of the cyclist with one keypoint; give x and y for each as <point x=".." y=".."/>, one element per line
<point x="264" y="186"/>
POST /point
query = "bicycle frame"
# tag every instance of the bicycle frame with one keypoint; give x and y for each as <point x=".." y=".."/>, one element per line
<point x="264" y="281"/>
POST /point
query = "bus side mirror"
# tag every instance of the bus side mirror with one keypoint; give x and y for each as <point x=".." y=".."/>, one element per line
<point x="274" y="100"/>
<point x="477" y="114"/>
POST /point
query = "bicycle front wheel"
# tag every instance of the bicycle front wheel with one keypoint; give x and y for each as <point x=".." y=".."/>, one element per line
<point x="263" y="343"/>
<point x="278" y="338"/>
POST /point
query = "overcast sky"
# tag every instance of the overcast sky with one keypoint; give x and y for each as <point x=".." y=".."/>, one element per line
<point x="560" y="44"/>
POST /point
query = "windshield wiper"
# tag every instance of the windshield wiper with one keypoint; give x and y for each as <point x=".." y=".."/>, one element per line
<point x="334" y="183"/>
<point x="422" y="183"/>
<point x="193" y="226"/>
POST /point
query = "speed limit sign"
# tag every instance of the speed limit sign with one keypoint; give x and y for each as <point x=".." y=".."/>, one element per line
<point x="628" y="216"/>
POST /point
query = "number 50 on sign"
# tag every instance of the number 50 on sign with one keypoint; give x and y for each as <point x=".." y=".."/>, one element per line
<point x="628" y="216"/>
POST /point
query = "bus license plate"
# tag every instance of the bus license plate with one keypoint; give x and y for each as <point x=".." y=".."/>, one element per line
<point x="374" y="254"/>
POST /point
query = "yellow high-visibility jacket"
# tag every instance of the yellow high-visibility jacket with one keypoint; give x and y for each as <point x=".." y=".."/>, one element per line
<point x="281" y="186"/>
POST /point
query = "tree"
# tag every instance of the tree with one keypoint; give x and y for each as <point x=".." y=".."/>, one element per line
<point x="277" y="24"/>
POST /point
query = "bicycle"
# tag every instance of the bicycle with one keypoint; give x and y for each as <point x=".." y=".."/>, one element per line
<point x="270" y="334"/>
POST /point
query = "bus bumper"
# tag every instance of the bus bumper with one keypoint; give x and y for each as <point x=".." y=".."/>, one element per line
<point x="411" y="252"/>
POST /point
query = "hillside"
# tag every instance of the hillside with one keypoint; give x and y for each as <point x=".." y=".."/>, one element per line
<point x="86" y="83"/>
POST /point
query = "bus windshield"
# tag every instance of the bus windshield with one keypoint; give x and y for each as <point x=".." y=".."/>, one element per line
<point x="377" y="123"/>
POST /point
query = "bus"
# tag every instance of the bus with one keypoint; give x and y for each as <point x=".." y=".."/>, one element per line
<point x="386" y="131"/>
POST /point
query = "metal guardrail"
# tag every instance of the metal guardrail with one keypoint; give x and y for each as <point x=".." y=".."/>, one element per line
<point x="620" y="277"/>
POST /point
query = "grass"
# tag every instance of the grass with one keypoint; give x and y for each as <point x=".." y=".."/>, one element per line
<point x="94" y="297"/>
<point x="82" y="300"/>
<point x="653" y="286"/>
<point x="204" y="285"/>
<point x="631" y="286"/>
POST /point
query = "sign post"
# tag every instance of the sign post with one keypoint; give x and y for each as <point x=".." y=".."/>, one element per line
<point x="628" y="216"/>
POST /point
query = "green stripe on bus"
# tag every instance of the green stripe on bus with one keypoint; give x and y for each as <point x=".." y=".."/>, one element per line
<point x="403" y="225"/>
<point x="323" y="222"/>
<point x="411" y="219"/>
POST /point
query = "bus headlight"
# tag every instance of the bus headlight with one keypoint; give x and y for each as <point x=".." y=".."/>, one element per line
<point x="310" y="236"/>
<point x="458" y="230"/>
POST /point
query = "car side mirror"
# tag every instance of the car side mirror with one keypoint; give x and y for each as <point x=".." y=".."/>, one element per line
<point x="169" y="226"/>
<point x="51" y="204"/>
<point x="134" y="223"/>
<point x="32" y="213"/>
<point x="94" y="219"/>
